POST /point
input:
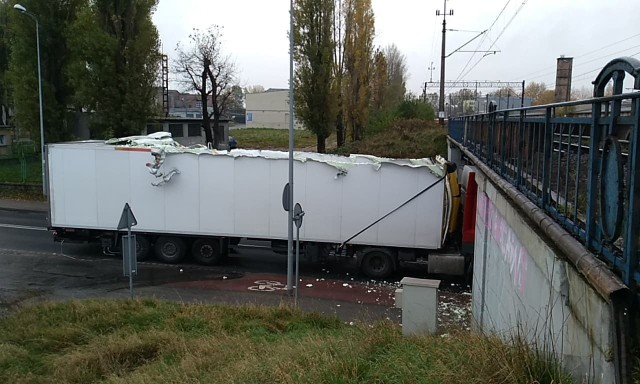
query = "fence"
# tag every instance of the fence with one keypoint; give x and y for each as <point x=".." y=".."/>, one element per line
<point x="582" y="169"/>
<point x="21" y="163"/>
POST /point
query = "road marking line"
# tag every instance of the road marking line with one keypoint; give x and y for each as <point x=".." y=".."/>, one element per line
<point x="15" y="226"/>
<point x="267" y="286"/>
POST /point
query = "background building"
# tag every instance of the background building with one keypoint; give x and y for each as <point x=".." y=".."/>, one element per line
<point x="269" y="109"/>
<point x="186" y="131"/>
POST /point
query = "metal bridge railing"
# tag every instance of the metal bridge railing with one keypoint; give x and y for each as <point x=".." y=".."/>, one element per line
<point x="582" y="169"/>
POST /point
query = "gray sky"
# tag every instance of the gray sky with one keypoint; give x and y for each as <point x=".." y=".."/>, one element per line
<point x="529" y="34"/>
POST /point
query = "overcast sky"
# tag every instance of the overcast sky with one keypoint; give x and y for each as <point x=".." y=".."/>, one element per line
<point x="530" y="36"/>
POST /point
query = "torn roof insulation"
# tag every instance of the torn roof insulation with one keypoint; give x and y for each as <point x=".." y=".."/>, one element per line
<point x="164" y="142"/>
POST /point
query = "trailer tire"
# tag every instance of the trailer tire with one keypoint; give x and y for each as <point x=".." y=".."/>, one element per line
<point x="207" y="251"/>
<point x="143" y="246"/>
<point x="377" y="263"/>
<point x="170" y="249"/>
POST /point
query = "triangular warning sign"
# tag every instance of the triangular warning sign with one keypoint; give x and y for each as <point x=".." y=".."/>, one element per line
<point x="127" y="219"/>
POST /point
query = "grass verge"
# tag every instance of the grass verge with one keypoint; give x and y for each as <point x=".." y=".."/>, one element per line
<point x="266" y="138"/>
<point x="405" y="139"/>
<point x="148" y="341"/>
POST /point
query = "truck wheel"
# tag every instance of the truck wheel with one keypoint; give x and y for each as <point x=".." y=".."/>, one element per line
<point x="142" y="247"/>
<point x="170" y="249"/>
<point x="206" y="251"/>
<point x="377" y="263"/>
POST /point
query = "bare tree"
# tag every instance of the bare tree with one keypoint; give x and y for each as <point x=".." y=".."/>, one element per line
<point x="581" y="93"/>
<point x="203" y="67"/>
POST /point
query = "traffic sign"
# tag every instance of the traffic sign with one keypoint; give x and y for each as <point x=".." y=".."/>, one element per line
<point x="298" y="213"/>
<point x="127" y="219"/>
<point x="286" y="194"/>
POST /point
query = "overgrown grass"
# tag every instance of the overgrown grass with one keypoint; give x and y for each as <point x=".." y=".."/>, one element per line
<point x="158" y="342"/>
<point x="266" y="138"/>
<point x="404" y="138"/>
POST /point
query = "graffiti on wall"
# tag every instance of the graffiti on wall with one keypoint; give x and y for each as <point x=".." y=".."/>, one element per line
<point x="511" y="249"/>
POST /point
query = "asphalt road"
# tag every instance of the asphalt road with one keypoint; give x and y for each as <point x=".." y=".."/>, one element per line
<point x="27" y="231"/>
<point x="34" y="268"/>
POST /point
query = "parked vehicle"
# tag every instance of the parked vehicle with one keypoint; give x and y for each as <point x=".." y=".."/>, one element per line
<point x="196" y="201"/>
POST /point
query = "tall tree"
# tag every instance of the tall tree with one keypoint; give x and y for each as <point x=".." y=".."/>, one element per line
<point x="55" y="18"/>
<point x="203" y="67"/>
<point x="379" y="81"/>
<point x="396" y="74"/>
<point x="358" y="47"/>
<point x="117" y="49"/>
<point x="313" y="54"/>
<point x="337" y="86"/>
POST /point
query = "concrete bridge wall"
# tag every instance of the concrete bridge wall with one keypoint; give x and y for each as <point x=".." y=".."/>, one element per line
<point x="523" y="285"/>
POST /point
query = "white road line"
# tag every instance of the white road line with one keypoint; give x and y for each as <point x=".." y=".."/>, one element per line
<point x="14" y="226"/>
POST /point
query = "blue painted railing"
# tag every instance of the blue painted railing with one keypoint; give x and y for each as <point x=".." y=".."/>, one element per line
<point x="579" y="161"/>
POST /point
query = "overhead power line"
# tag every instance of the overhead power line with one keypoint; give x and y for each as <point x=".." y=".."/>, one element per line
<point x="484" y="38"/>
<point x="499" y="35"/>
<point x="546" y="74"/>
<point x="552" y="67"/>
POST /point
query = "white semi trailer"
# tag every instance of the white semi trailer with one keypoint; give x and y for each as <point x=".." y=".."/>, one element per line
<point x="194" y="201"/>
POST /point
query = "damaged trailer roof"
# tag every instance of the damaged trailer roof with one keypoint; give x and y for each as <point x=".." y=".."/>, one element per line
<point x="163" y="141"/>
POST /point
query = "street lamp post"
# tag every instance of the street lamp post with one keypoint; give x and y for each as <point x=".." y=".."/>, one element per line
<point x="290" y="282"/>
<point x="22" y="9"/>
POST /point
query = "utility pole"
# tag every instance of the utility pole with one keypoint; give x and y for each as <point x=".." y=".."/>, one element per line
<point x="442" y="59"/>
<point x="431" y="68"/>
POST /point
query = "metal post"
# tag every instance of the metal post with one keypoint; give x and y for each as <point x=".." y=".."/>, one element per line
<point x="297" y="264"/>
<point x="290" y="213"/>
<point x="546" y="158"/>
<point x="130" y="263"/>
<point x="22" y="9"/>
<point x="44" y="182"/>
<point x="477" y="109"/>
<point x="442" y="60"/>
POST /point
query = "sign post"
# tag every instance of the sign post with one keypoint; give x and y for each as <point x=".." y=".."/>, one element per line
<point x="129" y="261"/>
<point x="298" y="214"/>
<point x="287" y="204"/>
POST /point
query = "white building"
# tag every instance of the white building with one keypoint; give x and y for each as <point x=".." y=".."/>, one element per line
<point x="269" y="109"/>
